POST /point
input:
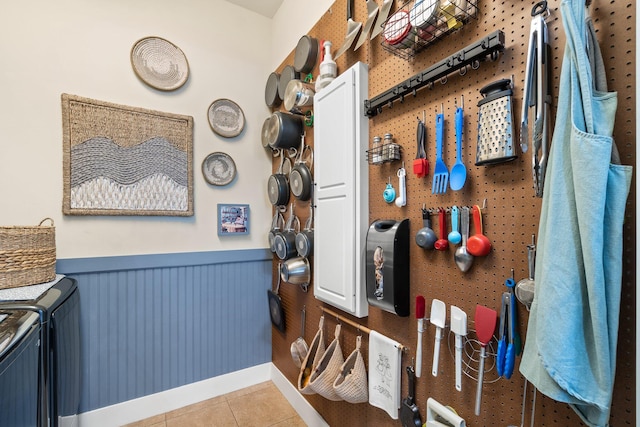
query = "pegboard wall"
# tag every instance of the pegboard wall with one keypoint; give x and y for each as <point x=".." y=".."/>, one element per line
<point x="510" y="218"/>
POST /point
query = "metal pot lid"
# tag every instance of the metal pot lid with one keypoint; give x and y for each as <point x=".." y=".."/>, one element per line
<point x="271" y="94"/>
<point x="306" y="54"/>
<point x="265" y="133"/>
<point x="292" y="94"/>
<point x="288" y="74"/>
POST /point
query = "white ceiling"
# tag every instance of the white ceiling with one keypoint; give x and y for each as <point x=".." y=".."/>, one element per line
<point x="266" y="8"/>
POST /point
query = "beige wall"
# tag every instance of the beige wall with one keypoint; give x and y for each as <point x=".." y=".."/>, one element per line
<point x="82" y="48"/>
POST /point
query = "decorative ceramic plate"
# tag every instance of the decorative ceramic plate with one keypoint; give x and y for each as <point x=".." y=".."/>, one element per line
<point x="218" y="168"/>
<point x="159" y="63"/>
<point x="226" y="118"/>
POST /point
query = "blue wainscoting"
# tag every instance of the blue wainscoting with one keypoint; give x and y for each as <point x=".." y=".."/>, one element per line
<point x="150" y="323"/>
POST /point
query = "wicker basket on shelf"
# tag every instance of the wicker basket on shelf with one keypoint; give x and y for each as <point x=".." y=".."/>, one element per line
<point x="27" y="255"/>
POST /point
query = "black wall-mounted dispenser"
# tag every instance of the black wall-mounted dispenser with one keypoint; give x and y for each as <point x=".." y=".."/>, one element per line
<point x="388" y="266"/>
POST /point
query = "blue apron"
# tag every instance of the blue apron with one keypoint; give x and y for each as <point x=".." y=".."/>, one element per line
<point x="570" y="351"/>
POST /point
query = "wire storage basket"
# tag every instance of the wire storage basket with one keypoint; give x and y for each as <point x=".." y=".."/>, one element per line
<point x="27" y="255"/>
<point x="420" y="23"/>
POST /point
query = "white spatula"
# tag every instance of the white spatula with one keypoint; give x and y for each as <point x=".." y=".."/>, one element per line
<point x="458" y="327"/>
<point x="437" y="318"/>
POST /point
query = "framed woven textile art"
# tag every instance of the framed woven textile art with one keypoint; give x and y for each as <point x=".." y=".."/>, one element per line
<point x="121" y="160"/>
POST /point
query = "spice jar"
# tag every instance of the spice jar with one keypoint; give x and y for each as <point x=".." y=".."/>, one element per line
<point x="376" y="150"/>
<point x="391" y="148"/>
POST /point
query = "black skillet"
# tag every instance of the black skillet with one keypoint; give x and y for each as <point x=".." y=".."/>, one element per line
<point x="275" y="305"/>
<point x="409" y="413"/>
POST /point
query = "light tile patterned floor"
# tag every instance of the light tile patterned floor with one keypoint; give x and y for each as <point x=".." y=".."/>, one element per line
<point x="261" y="405"/>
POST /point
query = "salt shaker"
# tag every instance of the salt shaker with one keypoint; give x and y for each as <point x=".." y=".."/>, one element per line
<point x="376" y="150"/>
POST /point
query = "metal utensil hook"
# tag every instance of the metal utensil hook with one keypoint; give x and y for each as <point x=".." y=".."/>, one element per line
<point x="541" y="7"/>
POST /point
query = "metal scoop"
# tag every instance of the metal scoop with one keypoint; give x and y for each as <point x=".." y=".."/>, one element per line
<point x="525" y="288"/>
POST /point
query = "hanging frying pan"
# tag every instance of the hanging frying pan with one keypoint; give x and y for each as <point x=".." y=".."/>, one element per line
<point x="278" y="185"/>
<point x="300" y="177"/>
<point x="277" y="225"/>
<point x="306" y="54"/>
<point x="288" y="74"/>
<point x="304" y="239"/>
<point x="275" y="306"/>
<point x="271" y="95"/>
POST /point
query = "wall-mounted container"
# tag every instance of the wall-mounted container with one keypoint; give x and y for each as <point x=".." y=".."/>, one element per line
<point x="387" y="266"/>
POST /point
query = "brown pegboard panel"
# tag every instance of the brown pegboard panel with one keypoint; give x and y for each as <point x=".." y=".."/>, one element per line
<point x="510" y="218"/>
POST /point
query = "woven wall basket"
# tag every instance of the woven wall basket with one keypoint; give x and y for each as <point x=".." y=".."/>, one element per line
<point x="351" y="384"/>
<point x="328" y="369"/>
<point x="27" y="255"/>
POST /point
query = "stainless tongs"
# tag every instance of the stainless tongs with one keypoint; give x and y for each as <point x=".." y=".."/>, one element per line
<point x="537" y="94"/>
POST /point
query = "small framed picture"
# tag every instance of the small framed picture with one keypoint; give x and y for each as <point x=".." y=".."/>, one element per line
<point x="233" y="220"/>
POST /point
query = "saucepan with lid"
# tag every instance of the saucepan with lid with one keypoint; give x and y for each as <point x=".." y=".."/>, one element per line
<point x="278" y="184"/>
<point x="284" y="130"/>
<point x="285" y="241"/>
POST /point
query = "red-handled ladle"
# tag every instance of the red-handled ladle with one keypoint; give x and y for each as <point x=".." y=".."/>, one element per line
<point x="478" y="244"/>
<point x="442" y="244"/>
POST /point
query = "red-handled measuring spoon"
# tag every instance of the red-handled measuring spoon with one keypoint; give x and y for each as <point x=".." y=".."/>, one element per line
<point x="442" y="244"/>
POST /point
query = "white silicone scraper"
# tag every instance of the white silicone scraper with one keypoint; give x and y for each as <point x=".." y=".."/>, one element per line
<point x="458" y="327"/>
<point x="437" y="318"/>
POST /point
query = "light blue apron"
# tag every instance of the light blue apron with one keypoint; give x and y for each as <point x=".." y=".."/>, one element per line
<point x="570" y="351"/>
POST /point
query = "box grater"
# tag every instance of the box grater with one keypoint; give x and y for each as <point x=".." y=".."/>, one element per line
<point x="495" y="124"/>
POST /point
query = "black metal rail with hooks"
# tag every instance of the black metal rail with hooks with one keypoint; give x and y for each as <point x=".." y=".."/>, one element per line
<point x="490" y="45"/>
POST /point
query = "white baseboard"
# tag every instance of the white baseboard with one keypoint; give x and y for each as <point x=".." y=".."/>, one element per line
<point x="309" y="415"/>
<point x="159" y="403"/>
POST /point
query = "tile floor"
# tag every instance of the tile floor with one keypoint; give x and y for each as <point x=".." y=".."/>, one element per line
<point x="261" y="405"/>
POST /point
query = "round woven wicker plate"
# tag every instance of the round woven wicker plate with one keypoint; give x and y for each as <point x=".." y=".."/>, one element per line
<point x="218" y="168"/>
<point x="159" y="63"/>
<point x="226" y="118"/>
